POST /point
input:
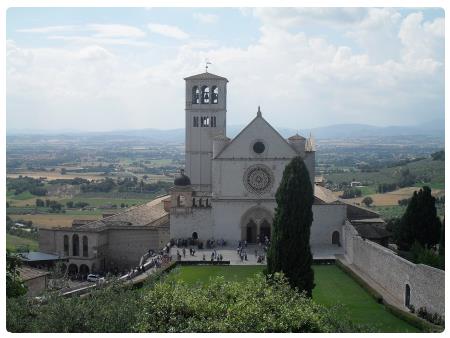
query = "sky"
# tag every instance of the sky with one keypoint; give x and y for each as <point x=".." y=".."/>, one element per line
<point x="101" y="69"/>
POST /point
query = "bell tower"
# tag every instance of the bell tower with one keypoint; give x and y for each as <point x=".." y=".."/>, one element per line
<point x="206" y="107"/>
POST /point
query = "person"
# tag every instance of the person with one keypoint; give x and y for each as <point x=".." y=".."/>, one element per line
<point x="245" y="255"/>
<point x="245" y="243"/>
<point x="204" y="257"/>
<point x="257" y="239"/>
<point x="184" y="252"/>
<point x="193" y="252"/>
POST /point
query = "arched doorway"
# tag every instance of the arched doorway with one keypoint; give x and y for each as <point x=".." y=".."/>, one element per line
<point x="256" y="222"/>
<point x="251" y="232"/>
<point x="335" y="238"/>
<point x="84" y="271"/>
<point x="194" y="235"/>
<point x="73" y="270"/>
<point x="264" y="230"/>
<point x="407" y="296"/>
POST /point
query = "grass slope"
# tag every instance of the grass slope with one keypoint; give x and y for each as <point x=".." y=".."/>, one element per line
<point x="333" y="287"/>
<point x="13" y="241"/>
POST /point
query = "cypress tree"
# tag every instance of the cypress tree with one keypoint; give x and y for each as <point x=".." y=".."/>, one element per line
<point x="419" y="222"/>
<point x="290" y="251"/>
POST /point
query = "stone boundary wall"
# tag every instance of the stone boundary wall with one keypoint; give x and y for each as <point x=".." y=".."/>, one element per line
<point x="394" y="273"/>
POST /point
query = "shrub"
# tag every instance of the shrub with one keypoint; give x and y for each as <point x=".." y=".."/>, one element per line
<point x="254" y="305"/>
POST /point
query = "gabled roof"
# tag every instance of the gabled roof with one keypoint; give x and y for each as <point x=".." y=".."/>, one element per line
<point x="142" y="215"/>
<point x="371" y="231"/>
<point x="238" y="136"/>
<point x="324" y="195"/>
<point x="205" y="76"/>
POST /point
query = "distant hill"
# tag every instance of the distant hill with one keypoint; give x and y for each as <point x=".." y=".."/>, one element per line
<point x="337" y="131"/>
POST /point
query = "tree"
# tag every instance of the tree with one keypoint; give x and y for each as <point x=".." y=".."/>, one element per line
<point x="367" y="201"/>
<point x="289" y="251"/>
<point x="40" y="203"/>
<point x="69" y="204"/>
<point x="14" y="285"/>
<point x="419" y="222"/>
<point x="442" y="241"/>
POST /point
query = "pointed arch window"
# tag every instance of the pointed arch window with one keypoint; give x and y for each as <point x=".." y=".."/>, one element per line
<point x="214" y="95"/>
<point x="75" y="245"/>
<point x="85" y="246"/>
<point x="205" y="94"/>
<point x="195" y="95"/>
<point x="66" y="245"/>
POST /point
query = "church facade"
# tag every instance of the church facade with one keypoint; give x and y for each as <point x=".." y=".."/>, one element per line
<point x="228" y="188"/>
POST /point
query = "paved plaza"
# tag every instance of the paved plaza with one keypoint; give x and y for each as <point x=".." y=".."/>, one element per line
<point x="231" y="254"/>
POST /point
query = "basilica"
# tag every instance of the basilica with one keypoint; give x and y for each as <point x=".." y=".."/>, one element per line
<point x="227" y="190"/>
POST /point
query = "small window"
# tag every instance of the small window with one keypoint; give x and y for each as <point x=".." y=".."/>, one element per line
<point x="195" y="95"/>
<point x="259" y="147"/>
<point x="195" y="123"/>
<point x="213" y="121"/>
<point x="204" y="121"/>
<point x="205" y="94"/>
<point x="215" y="95"/>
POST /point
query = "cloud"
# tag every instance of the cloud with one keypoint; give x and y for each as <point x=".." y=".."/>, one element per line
<point x="49" y="29"/>
<point x="168" y="31"/>
<point x="206" y="18"/>
<point x="87" y="40"/>
<point x="108" y="31"/>
<point x="389" y="69"/>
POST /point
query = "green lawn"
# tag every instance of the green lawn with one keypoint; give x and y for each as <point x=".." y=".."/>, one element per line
<point x="333" y="286"/>
<point x="13" y="241"/>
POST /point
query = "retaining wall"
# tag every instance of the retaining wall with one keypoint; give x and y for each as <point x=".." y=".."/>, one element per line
<point x="394" y="273"/>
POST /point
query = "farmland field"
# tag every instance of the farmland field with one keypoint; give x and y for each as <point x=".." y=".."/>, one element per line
<point x="392" y="197"/>
<point x="433" y="170"/>
<point x="44" y="221"/>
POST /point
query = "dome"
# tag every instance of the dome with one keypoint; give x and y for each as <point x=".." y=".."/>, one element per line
<point x="296" y="137"/>
<point x="182" y="179"/>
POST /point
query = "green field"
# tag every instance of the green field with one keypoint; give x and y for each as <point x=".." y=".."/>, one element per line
<point x="333" y="286"/>
<point x="12" y="242"/>
<point x="434" y="170"/>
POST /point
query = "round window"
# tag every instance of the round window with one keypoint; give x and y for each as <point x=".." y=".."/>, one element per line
<point x="259" y="147"/>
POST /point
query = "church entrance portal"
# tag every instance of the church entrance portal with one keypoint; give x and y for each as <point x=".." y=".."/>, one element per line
<point x="264" y="230"/>
<point x="256" y="224"/>
<point x="251" y="232"/>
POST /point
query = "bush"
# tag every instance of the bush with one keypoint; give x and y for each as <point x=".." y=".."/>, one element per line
<point x="254" y="305"/>
<point x="367" y="201"/>
<point x="351" y="193"/>
<point x="434" y="318"/>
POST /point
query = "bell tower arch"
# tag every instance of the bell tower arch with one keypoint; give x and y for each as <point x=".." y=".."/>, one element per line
<point x="206" y="102"/>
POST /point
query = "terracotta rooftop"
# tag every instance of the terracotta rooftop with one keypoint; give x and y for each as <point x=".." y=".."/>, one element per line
<point x="141" y="215"/>
<point x="27" y="273"/>
<point x="324" y="194"/>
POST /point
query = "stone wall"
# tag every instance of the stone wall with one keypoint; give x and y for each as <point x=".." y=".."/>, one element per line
<point x="36" y="286"/>
<point x="199" y="220"/>
<point x="126" y="246"/>
<point x="394" y="273"/>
